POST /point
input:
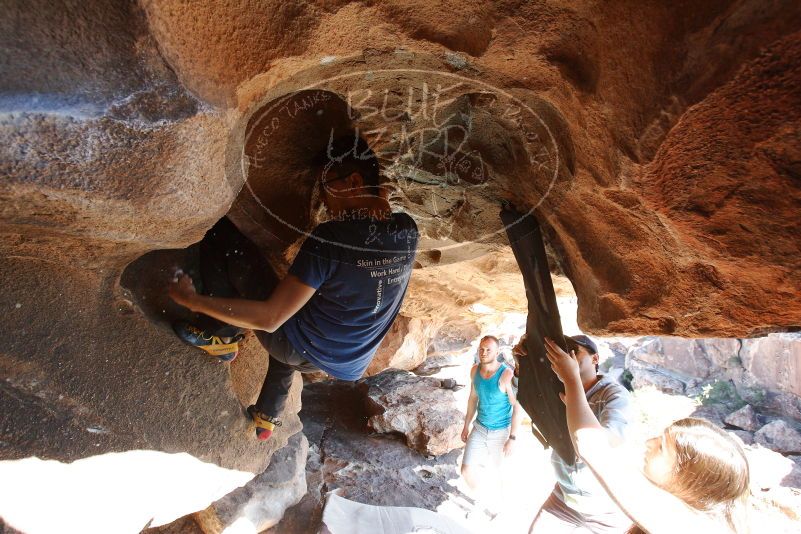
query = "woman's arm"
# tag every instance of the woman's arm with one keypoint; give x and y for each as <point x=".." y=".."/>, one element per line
<point x="652" y="508"/>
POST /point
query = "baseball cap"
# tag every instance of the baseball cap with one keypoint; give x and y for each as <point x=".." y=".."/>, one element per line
<point x="585" y="342"/>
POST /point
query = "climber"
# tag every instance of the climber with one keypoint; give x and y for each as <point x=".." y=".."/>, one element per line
<point x="499" y="414"/>
<point x="578" y="501"/>
<point x="341" y="294"/>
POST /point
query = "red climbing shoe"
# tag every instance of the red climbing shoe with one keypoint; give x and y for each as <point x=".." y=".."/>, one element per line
<point x="265" y="424"/>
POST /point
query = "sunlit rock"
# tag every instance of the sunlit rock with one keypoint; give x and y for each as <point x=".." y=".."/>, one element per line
<point x="744" y="418"/>
<point x="779" y="436"/>
<point x="394" y="399"/>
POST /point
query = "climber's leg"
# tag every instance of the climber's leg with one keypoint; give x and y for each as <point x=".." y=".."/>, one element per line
<point x="275" y="390"/>
<point x="230" y="267"/>
<point x="284" y="362"/>
<point x="476" y="456"/>
<point x="272" y="398"/>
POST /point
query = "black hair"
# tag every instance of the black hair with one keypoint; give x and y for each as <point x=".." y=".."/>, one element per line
<point x="573" y="345"/>
<point x="347" y="154"/>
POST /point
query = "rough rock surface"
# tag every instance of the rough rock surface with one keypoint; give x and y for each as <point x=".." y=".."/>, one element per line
<point x="261" y="503"/>
<point x="344" y="455"/>
<point x="394" y="399"/>
<point x="434" y="364"/>
<point x="97" y="383"/>
<point x="745" y="418"/>
<point x="779" y="436"/>
<point x="793" y="479"/>
<point x="772" y="374"/>
<point x="762" y="372"/>
<point x="746" y="438"/>
<point x="658" y="142"/>
<point x="405" y="346"/>
<point x="644" y="375"/>
<point x="696" y="358"/>
<point x="774" y="486"/>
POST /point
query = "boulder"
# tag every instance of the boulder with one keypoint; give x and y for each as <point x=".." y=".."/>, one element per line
<point x="744" y="437"/>
<point x="780" y="437"/>
<point x="693" y="358"/>
<point x="455" y="335"/>
<point x="643" y="378"/>
<point x="793" y="479"/>
<point x="417" y="407"/>
<point x="775" y="480"/>
<point x="712" y="412"/>
<point x="108" y="397"/>
<point x="372" y="468"/>
<point x="744" y="418"/>
<point x="774" y="359"/>
<point x="258" y="505"/>
<point x="649" y="375"/>
<point x="760" y="371"/>
<point x="261" y="503"/>
<point x="617" y="349"/>
<point x="434" y="364"/>
<point x="404" y="346"/>
<point x="772" y="376"/>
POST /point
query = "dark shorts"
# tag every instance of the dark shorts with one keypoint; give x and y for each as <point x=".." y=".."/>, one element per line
<point x="282" y="350"/>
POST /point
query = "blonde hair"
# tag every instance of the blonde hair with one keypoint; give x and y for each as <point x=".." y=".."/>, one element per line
<point x="711" y="471"/>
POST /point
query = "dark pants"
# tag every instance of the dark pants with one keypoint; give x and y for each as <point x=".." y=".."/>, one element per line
<point x="285" y="361"/>
<point x="231" y="266"/>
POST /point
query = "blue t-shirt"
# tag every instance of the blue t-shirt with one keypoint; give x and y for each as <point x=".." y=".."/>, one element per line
<point x="361" y="270"/>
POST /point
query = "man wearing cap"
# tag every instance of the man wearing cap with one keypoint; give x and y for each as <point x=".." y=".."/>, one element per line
<point x="578" y="502"/>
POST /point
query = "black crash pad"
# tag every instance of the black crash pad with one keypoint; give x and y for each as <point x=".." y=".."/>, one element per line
<point x="539" y="387"/>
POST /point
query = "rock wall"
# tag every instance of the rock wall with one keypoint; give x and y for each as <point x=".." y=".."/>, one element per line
<point x="393" y="401"/>
<point x="658" y="144"/>
<point x="644" y="186"/>
<point x="764" y="372"/>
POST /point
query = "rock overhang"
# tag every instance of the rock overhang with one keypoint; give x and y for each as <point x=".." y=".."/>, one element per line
<point x="674" y="210"/>
<point x="452" y="147"/>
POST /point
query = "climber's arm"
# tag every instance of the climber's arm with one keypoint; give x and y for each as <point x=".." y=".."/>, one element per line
<point x="288" y="297"/>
